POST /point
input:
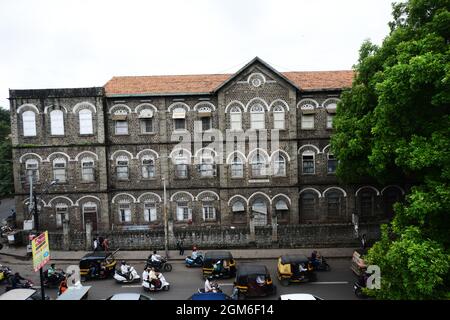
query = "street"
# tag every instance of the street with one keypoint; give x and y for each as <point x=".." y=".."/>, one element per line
<point x="336" y="284"/>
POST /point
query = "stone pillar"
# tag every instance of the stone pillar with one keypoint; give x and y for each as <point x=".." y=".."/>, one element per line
<point x="274" y="228"/>
<point x="171" y="233"/>
<point x="252" y="230"/>
<point x="88" y="236"/>
<point x="66" y="236"/>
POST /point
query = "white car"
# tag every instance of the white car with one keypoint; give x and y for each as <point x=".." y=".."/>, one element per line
<point x="129" y="296"/>
<point x="299" y="296"/>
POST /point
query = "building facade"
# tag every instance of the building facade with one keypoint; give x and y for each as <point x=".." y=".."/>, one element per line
<point x="245" y="149"/>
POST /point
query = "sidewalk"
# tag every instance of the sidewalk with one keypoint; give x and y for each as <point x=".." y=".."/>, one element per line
<point x="21" y="253"/>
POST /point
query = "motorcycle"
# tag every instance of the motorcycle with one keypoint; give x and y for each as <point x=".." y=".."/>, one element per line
<point x="215" y="288"/>
<point x="162" y="265"/>
<point x="198" y="262"/>
<point x="5" y="273"/>
<point x="132" y="276"/>
<point x="321" y="266"/>
<point x="165" y="286"/>
<point x="55" y="280"/>
<point x="23" y="285"/>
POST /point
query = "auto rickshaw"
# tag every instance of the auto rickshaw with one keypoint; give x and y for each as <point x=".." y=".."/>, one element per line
<point x="253" y="280"/>
<point x="219" y="264"/>
<point x="295" y="268"/>
<point x="103" y="262"/>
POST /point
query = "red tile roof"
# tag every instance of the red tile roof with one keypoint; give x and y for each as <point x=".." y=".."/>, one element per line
<point x="206" y="83"/>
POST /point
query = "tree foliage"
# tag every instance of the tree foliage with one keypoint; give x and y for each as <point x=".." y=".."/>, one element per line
<point x="394" y="125"/>
<point x="6" y="168"/>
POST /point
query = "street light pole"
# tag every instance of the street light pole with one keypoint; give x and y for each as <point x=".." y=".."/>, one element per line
<point x="166" y="231"/>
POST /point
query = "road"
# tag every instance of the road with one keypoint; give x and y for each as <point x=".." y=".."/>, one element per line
<point x="336" y="284"/>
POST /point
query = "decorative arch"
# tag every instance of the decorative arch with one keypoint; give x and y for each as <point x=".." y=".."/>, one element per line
<point x="60" y="197"/>
<point x="337" y="188"/>
<point x="288" y="158"/>
<point x="393" y="186"/>
<point x="307" y="101"/>
<point x="311" y="189"/>
<point x="178" y="149"/>
<point x="30" y="154"/>
<point x="279" y="101"/>
<point x="261" y="194"/>
<point x="27" y="200"/>
<point x="147" y="150"/>
<point x="77" y="203"/>
<point x="84" y="104"/>
<point x="326" y="148"/>
<point x="308" y="146"/>
<point x="199" y="151"/>
<point x="240" y="155"/>
<point x="235" y="102"/>
<point x="178" y="104"/>
<point x="256" y="100"/>
<point x="123" y="194"/>
<point x="58" y="152"/>
<point x="125" y="151"/>
<point x="52" y="106"/>
<point x="207" y="191"/>
<point x="254" y="151"/>
<point x="201" y="103"/>
<point x="281" y="195"/>
<point x="149" y="194"/>
<point x="119" y="106"/>
<point x="370" y="187"/>
<point x="145" y="105"/>
<point x="87" y="152"/>
<point x="32" y="106"/>
<point x="182" y="192"/>
<point x="330" y="101"/>
<point x="256" y="74"/>
<point x="237" y="196"/>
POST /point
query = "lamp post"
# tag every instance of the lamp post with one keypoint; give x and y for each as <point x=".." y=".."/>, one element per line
<point x="36" y="221"/>
<point x="166" y="231"/>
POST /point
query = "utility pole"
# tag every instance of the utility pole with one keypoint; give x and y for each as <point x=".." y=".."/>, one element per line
<point x="166" y="231"/>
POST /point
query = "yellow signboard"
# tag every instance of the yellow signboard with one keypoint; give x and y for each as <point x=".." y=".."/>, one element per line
<point x="41" y="251"/>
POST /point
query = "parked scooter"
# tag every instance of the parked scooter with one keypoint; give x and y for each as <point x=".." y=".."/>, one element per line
<point x="197" y="262"/>
<point x="164" y="285"/>
<point x="131" y="276"/>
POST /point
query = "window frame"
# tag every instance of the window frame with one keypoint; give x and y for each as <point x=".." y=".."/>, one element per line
<point x="55" y="169"/>
<point x="309" y="154"/>
<point x="57" y="123"/>
<point x="256" y="114"/>
<point x="29" y="125"/>
<point x="84" y="168"/>
<point x="86" y="123"/>
<point x="124" y="216"/>
<point x="119" y="176"/>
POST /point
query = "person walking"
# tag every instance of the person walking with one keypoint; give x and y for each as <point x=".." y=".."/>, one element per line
<point x="106" y="244"/>
<point x="95" y="244"/>
<point x="180" y="247"/>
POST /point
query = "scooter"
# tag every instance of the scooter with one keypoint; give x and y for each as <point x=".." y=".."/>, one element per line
<point x="54" y="281"/>
<point x="198" y="262"/>
<point x="131" y="277"/>
<point x="322" y="266"/>
<point x="163" y="265"/>
<point x="5" y="273"/>
<point x="165" y="286"/>
<point x="23" y="285"/>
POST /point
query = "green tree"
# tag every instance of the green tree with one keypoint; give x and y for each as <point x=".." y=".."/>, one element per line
<point x="6" y="169"/>
<point x="394" y="125"/>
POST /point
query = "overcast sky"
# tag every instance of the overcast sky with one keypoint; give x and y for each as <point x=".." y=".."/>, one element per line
<point x="83" y="43"/>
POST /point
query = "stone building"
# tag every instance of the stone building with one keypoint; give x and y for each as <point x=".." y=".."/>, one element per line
<point x="110" y="148"/>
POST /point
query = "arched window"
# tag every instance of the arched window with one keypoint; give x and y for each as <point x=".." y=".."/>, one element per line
<point x="257" y="117"/>
<point x="207" y="167"/>
<point x="308" y="162"/>
<point x="237" y="168"/>
<point x="282" y="210"/>
<point x="181" y="165"/>
<point x="235" y="118"/>
<point x="62" y="214"/>
<point x="367" y="197"/>
<point x="87" y="169"/>
<point x="238" y="207"/>
<point x="124" y="212"/>
<point x="333" y="203"/>
<point x="146" y="120"/>
<point x="259" y="210"/>
<point x="258" y="165"/>
<point x="120" y="122"/>
<point x="308" y="110"/>
<point x="184" y="213"/>
<point x="278" y="118"/>
<point x="90" y="214"/>
<point x="32" y="168"/>
<point x="331" y="163"/>
<point x="122" y="170"/>
<point x="280" y="166"/>
<point x="29" y="124"/>
<point x="209" y="211"/>
<point x="150" y="212"/>
<point x="148" y="167"/>
<point x="59" y="170"/>
<point x="308" y="204"/>
<point x="57" y="123"/>
<point x="179" y="118"/>
<point x="85" y="119"/>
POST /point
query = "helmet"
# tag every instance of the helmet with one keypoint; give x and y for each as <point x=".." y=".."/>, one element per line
<point x="124" y="262"/>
